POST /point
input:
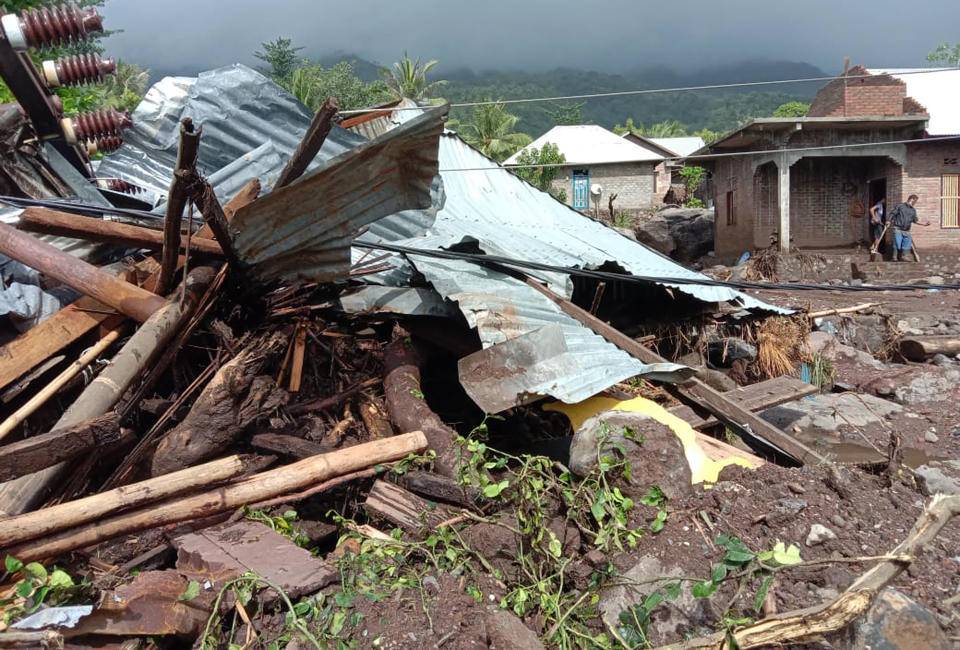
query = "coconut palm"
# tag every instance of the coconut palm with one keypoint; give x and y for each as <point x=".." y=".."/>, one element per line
<point x="491" y="131"/>
<point x="409" y="79"/>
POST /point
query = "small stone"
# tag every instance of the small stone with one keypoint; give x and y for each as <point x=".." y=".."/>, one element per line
<point x="431" y="585"/>
<point x="941" y="360"/>
<point x="838" y="521"/>
<point x="796" y="488"/>
<point x="819" y="534"/>
<point x="930" y="436"/>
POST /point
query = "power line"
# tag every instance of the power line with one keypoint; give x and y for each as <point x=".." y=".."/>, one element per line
<point x="644" y="91"/>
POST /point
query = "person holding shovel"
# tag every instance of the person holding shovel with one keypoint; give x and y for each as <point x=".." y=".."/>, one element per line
<point x="902" y="217"/>
<point x="877" y="222"/>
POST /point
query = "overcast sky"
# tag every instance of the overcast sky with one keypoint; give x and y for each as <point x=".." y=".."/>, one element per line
<point x="607" y="35"/>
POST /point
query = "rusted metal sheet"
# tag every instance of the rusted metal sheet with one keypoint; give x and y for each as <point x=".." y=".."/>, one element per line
<point x="304" y="231"/>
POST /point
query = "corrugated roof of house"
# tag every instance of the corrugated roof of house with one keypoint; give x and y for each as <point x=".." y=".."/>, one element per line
<point x="938" y="92"/>
<point x="588" y="144"/>
<point x="683" y="146"/>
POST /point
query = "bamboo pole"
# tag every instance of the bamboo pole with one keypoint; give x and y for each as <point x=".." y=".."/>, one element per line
<point x="255" y="488"/>
<point x="86" y="278"/>
<point x="61" y="380"/>
<point x="843" y="310"/>
<point x="19" y="529"/>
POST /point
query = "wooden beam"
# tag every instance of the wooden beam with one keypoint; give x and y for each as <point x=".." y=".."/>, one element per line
<point x="292" y="446"/>
<point x="391" y="502"/>
<point x="756" y="397"/>
<point x="38" y="452"/>
<point x="177" y="198"/>
<point x="86" y="278"/>
<point x="215" y="217"/>
<point x="921" y="348"/>
<point x="312" y="141"/>
<point x="741" y="421"/>
<point x="54" y="222"/>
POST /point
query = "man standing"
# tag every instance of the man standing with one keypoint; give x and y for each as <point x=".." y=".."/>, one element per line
<point x="902" y="217"/>
<point x="876" y="223"/>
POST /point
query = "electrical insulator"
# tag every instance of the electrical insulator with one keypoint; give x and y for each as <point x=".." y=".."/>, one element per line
<point x="119" y="185"/>
<point x="50" y="26"/>
<point x="77" y="70"/>
<point x="94" y="125"/>
<point x="104" y="144"/>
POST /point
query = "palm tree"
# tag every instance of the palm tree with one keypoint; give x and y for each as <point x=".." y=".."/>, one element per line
<point x="491" y="131"/>
<point x="409" y="78"/>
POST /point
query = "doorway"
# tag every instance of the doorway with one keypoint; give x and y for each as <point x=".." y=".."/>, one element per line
<point x="877" y="190"/>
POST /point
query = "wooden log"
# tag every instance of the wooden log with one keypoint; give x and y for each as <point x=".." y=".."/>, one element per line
<point x="41" y="639"/>
<point x="88" y="279"/>
<point x="755" y="397"/>
<point x="287" y="445"/>
<point x="299" y="348"/>
<point x="322" y="403"/>
<point x="214" y="216"/>
<point x="247" y="195"/>
<point x="921" y="348"/>
<point x="38" y="452"/>
<point x="747" y="425"/>
<point x="373" y="412"/>
<point x="842" y="310"/>
<point x="59" y="382"/>
<point x="54" y="222"/>
<point x="25" y="493"/>
<point x="255" y="488"/>
<point x="441" y="488"/>
<point x="312" y="141"/>
<point x="232" y="400"/>
<point x="810" y="624"/>
<point x="19" y="529"/>
<point x="177" y="198"/>
<point x="404" y="509"/>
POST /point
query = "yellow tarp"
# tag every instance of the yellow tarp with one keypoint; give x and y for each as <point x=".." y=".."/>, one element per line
<point x="702" y="468"/>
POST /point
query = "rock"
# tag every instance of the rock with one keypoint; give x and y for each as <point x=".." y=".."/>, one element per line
<point x="939" y="477"/>
<point x="655" y="233"/>
<point x="716" y="379"/>
<point x="507" y="632"/>
<point x="626" y="232"/>
<point x="819" y="534"/>
<point x="725" y="351"/>
<point x="930" y="436"/>
<point x="826" y="413"/>
<point x="942" y="360"/>
<point x="927" y="385"/>
<point x="670" y="621"/>
<point x="895" y="622"/>
<point x="838" y="521"/>
<point x="657" y="460"/>
<point x="683" y="234"/>
<point x="497" y="544"/>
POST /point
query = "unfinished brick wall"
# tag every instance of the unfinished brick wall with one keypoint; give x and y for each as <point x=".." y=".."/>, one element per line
<point x="875" y="95"/>
<point x="754" y="204"/>
<point x="927" y="162"/>
<point x="828" y="201"/>
<point x="632" y="182"/>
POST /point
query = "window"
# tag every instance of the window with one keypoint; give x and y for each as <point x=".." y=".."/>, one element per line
<point x="731" y="210"/>
<point x="949" y="161"/>
<point x="950" y="201"/>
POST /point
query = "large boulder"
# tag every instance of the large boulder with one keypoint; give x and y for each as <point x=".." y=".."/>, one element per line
<point x="828" y="412"/>
<point x="685" y="234"/>
<point x="655" y="233"/>
<point x="894" y="623"/>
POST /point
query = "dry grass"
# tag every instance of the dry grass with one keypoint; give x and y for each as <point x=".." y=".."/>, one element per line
<point x="780" y="344"/>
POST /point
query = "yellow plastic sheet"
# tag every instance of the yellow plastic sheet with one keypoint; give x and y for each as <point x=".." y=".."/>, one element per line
<point x="702" y="468"/>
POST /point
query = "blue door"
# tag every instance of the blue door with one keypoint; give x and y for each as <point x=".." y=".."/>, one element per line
<point x="581" y="189"/>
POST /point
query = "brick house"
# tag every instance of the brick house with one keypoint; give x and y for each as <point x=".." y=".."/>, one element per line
<point x="808" y="182"/>
<point x="674" y="149"/>
<point x="597" y="156"/>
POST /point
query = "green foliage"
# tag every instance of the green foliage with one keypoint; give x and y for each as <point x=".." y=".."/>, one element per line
<point x="707" y="135"/>
<point x="822" y="370"/>
<point x="567" y="114"/>
<point x="693" y="177"/>
<point x="946" y="54"/>
<point x="285" y="523"/>
<point x="491" y="132"/>
<point x="694" y="202"/>
<point x="791" y="109"/>
<point x="191" y="592"/>
<point x="408" y="78"/>
<point x="281" y="58"/>
<point x="540" y="177"/>
<point x="311" y="83"/>
<point x="621" y="220"/>
<point x="666" y="129"/>
<point x="36" y="587"/>
<point x="125" y="89"/>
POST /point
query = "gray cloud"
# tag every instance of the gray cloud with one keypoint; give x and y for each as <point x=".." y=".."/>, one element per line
<point x="608" y="35"/>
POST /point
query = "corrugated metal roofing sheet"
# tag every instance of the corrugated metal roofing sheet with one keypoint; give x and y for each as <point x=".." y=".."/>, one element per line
<point x="589" y="144"/>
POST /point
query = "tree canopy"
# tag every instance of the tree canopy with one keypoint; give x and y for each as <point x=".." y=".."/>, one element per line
<point x="491" y="131"/>
<point x="408" y="78"/>
<point x="946" y="54"/>
<point x="791" y="109"/>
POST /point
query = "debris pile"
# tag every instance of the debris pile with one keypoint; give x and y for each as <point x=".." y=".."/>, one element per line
<point x="376" y="400"/>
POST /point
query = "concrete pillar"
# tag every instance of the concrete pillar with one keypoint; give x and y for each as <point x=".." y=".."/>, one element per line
<point x="783" y="167"/>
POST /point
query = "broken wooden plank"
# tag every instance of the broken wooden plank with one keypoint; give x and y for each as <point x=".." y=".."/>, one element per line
<point x="19" y="529"/>
<point x="64" y="224"/>
<point x="755" y="397"/>
<point x="747" y="425"/>
<point x="38" y="452"/>
<point x="214" y="216"/>
<point x="401" y="508"/>
<point x="177" y="198"/>
<point x="299" y="350"/>
<point x="86" y="278"/>
<point x="921" y="348"/>
<point x="441" y="488"/>
<point x="311" y="144"/>
<point x="228" y="551"/>
<point x="291" y="446"/>
<point x="258" y="487"/>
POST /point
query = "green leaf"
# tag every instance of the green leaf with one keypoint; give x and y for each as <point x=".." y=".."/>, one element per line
<point x="762" y="593"/>
<point x="344" y="599"/>
<point x="12" y="564"/>
<point x="786" y="556"/>
<point x="739" y="557"/>
<point x="673" y="590"/>
<point x="719" y="572"/>
<point x="651" y="601"/>
<point x="336" y="622"/>
<point x="60" y="579"/>
<point x="24" y="588"/>
<point x="704" y="589"/>
<point x="36" y="570"/>
<point x="556" y="548"/>
<point x="193" y="590"/>
<point x="495" y="489"/>
<point x="659" y="521"/>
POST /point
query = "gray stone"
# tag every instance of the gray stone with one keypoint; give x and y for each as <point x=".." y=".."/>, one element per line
<point x="942" y="360"/>
<point x="930" y="436"/>
<point x="895" y="622"/>
<point x="926" y="386"/>
<point x="727" y="350"/>
<point x="507" y="632"/>
<point x="826" y="413"/>
<point x="838" y="521"/>
<point x="938" y="477"/>
<point x="655" y="233"/>
<point x="670" y="621"/>
<point x="627" y="232"/>
<point x="819" y="534"/>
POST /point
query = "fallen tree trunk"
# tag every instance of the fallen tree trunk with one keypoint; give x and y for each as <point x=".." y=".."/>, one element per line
<point x="921" y="348"/>
<point x="228" y="404"/>
<point x="409" y="410"/>
<point x="805" y="625"/>
<point x="19" y="529"/>
<point x="39" y="452"/>
<point x="86" y="278"/>
<point x="255" y="488"/>
<point x="25" y="493"/>
<point x="312" y="141"/>
<point x="177" y="198"/>
<point x="54" y="222"/>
